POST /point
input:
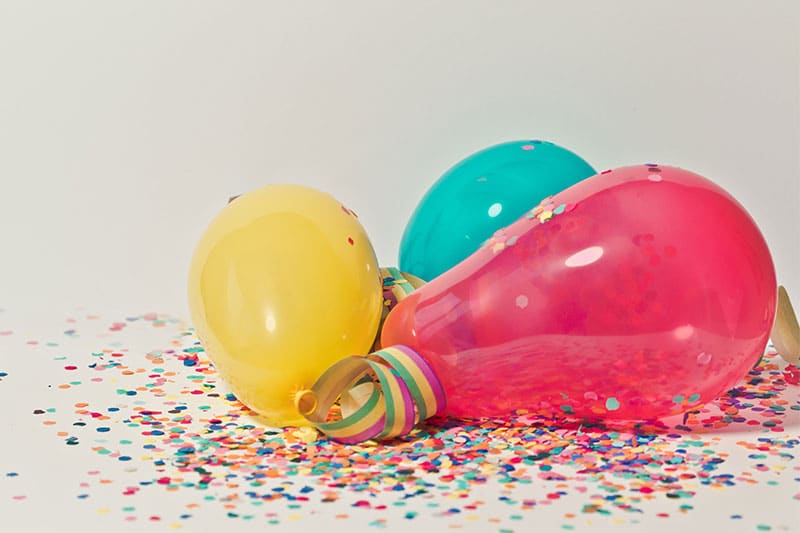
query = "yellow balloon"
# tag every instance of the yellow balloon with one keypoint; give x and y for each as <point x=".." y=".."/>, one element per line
<point x="283" y="283"/>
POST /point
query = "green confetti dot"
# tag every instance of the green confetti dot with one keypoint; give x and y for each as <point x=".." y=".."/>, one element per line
<point x="567" y="409"/>
<point x="678" y="399"/>
<point x="762" y="527"/>
<point x="612" y="404"/>
<point x="694" y="397"/>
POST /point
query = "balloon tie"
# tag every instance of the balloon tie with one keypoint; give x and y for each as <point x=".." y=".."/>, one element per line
<point x="382" y="396"/>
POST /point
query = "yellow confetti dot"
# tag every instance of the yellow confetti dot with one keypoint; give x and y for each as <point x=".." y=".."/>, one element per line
<point x="306" y="434"/>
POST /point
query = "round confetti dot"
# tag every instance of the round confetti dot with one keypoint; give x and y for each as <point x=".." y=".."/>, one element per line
<point x="612" y="404"/>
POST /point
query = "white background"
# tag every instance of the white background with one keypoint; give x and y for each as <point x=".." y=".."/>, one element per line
<point x="124" y="126"/>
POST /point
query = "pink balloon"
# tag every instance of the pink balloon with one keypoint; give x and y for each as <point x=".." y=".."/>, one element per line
<point x="638" y="293"/>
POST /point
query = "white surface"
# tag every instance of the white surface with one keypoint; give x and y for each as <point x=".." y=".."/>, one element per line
<point x="124" y="126"/>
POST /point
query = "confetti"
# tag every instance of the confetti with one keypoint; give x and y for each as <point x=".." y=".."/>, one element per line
<point x="169" y="420"/>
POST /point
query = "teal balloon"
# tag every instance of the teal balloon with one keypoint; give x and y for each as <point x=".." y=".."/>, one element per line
<point x="481" y="194"/>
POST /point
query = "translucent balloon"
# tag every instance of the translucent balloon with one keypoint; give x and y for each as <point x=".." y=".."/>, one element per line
<point x="283" y="283"/>
<point x="481" y="194"/>
<point x="638" y="293"/>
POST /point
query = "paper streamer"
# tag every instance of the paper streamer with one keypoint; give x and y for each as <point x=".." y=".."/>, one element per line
<point x="404" y="391"/>
<point x="396" y="286"/>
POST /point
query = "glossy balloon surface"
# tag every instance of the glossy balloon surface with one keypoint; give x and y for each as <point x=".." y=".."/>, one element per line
<point x="283" y="283"/>
<point x="638" y="293"/>
<point x="481" y="194"/>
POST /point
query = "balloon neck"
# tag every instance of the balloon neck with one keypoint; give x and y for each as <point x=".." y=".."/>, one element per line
<point x="305" y="401"/>
<point x="378" y="396"/>
<point x="785" y="332"/>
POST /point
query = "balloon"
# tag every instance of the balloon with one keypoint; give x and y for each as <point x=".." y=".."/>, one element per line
<point x="283" y="283"/>
<point x="481" y="194"/>
<point x="636" y="294"/>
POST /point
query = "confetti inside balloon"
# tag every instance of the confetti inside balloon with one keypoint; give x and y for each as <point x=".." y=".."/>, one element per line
<point x="283" y="283"/>
<point x="481" y="194"/>
<point x="638" y="293"/>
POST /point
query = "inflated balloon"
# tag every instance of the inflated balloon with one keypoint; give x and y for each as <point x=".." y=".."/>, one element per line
<point x="283" y="283"/>
<point x="481" y="194"/>
<point x="636" y="294"/>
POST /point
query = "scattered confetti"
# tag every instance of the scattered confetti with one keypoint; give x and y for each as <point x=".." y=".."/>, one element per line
<point x="168" y="419"/>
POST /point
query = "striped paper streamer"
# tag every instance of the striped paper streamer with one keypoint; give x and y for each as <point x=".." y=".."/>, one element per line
<point x="405" y="391"/>
<point x="397" y="285"/>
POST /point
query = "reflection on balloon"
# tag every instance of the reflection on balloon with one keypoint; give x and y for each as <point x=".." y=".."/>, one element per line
<point x="481" y="194"/>
<point x="638" y="293"/>
<point x="283" y="283"/>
